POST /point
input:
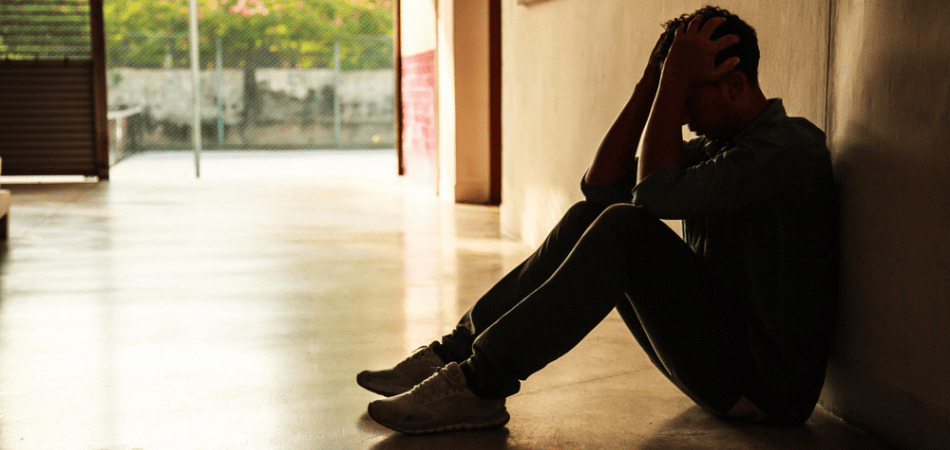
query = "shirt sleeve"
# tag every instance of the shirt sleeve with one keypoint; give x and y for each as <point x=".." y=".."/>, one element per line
<point x="618" y="191"/>
<point x="761" y="167"/>
<point x="692" y="149"/>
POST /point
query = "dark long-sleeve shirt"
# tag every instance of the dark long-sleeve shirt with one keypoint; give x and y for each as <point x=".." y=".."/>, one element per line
<point x="760" y="210"/>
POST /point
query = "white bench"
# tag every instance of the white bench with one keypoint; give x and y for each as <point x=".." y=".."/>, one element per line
<point x="5" y="201"/>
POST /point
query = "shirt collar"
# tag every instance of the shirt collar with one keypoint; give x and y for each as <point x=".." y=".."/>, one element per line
<point x="774" y="112"/>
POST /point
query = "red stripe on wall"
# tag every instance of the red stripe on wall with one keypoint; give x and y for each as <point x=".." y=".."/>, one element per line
<point x="418" y="117"/>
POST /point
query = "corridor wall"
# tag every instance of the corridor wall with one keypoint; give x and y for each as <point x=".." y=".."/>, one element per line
<point x="889" y="112"/>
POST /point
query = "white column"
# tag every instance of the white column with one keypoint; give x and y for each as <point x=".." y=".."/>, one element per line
<point x="195" y="84"/>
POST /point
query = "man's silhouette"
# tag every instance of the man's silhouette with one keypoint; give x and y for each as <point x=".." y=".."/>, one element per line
<point x="738" y="316"/>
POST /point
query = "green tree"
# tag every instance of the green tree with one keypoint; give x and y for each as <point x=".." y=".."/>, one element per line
<point x="253" y="33"/>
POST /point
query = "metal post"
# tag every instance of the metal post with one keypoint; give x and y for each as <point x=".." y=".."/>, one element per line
<point x="336" y="94"/>
<point x="195" y="84"/>
<point x="217" y="92"/>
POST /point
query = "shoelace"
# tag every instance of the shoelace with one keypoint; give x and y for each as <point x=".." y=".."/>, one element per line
<point x="437" y="386"/>
<point x="415" y="356"/>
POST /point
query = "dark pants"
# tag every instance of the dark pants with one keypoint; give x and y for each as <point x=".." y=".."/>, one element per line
<point x="593" y="261"/>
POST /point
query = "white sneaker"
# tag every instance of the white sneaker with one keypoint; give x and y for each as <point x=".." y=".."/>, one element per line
<point x="440" y="403"/>
<point x="422" y="363"/>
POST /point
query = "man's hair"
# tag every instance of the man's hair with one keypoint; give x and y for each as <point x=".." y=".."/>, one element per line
<point x="747" y="49"/>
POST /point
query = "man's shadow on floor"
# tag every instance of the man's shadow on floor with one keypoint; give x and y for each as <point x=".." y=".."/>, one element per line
<point x="692" y="428"/>
<point x="695" y="428"/>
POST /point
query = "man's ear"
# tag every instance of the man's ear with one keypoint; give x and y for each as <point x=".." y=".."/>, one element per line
<point x="734" y="85"/>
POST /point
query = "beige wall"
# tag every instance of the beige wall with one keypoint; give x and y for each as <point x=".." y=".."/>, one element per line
<point x="569" y="66"/>
<point x="472" y="174"/>
<point x="464" y="164"/>
<point x="890" y="111"/>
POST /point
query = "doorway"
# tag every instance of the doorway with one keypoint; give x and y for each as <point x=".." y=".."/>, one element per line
<point x="312" y="74"/>
<point x="449" y="110"/>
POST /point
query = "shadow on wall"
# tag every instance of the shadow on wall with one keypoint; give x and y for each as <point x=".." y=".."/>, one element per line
<point x="890" y="137"/>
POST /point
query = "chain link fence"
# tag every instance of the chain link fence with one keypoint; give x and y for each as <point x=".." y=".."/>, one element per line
<point x="297" y="74"/>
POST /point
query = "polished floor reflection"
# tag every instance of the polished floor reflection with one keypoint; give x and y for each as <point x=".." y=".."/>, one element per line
<point x="160" y="311"/>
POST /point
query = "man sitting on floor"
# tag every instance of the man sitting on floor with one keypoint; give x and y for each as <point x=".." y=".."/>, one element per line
<point x="738" y="316"/>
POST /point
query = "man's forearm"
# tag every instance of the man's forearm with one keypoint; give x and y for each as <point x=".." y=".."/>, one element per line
<point x="663" y="137"/>
<point x="615" y="156"/>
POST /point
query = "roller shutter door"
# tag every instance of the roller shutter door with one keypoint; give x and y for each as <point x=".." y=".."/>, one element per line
<point x="52" y="97"/>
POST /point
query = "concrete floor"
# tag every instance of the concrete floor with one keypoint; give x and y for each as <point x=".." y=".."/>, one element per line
<point x="158" y="311"/>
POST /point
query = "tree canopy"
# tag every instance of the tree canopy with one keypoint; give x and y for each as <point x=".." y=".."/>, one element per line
<point x="259" y="33"/>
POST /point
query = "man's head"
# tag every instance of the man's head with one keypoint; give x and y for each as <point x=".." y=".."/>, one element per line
<point x="720" y="109"/>
<point x="747" y="49"/>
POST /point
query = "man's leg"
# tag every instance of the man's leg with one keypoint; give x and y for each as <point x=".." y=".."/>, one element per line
<point x="517" y="284"/>
<point x="457" y="346"/>
<point x="677" y="312"/>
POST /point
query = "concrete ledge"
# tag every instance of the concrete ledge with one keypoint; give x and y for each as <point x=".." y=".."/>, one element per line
<point x="5" y="201"/>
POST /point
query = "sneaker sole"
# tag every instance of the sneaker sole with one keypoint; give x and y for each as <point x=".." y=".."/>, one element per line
<point x="465" y="426"/>
<point x="378" y="390"/>
<point x="382" y="392"/>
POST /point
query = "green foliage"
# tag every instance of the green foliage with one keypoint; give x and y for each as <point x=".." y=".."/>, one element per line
<point x="258" y="33"/>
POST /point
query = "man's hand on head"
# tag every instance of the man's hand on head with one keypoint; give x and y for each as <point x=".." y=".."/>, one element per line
<point x="651" y="74"/>
<point x="691" y="60"/>
<point x="657" y="55"/>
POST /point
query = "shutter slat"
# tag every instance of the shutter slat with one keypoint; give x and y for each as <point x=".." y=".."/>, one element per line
<point x="53" y="110"/>
<point x="64" y="138"/>
<point x="49" y="130"/>
<point x="42" y="119"/>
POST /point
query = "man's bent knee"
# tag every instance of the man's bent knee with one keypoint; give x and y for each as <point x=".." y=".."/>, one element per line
<point x="633" y="220"/>
<point x="584" y="212"/>
<point x="585" y="207"/>
<point x="631" y="213"/>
